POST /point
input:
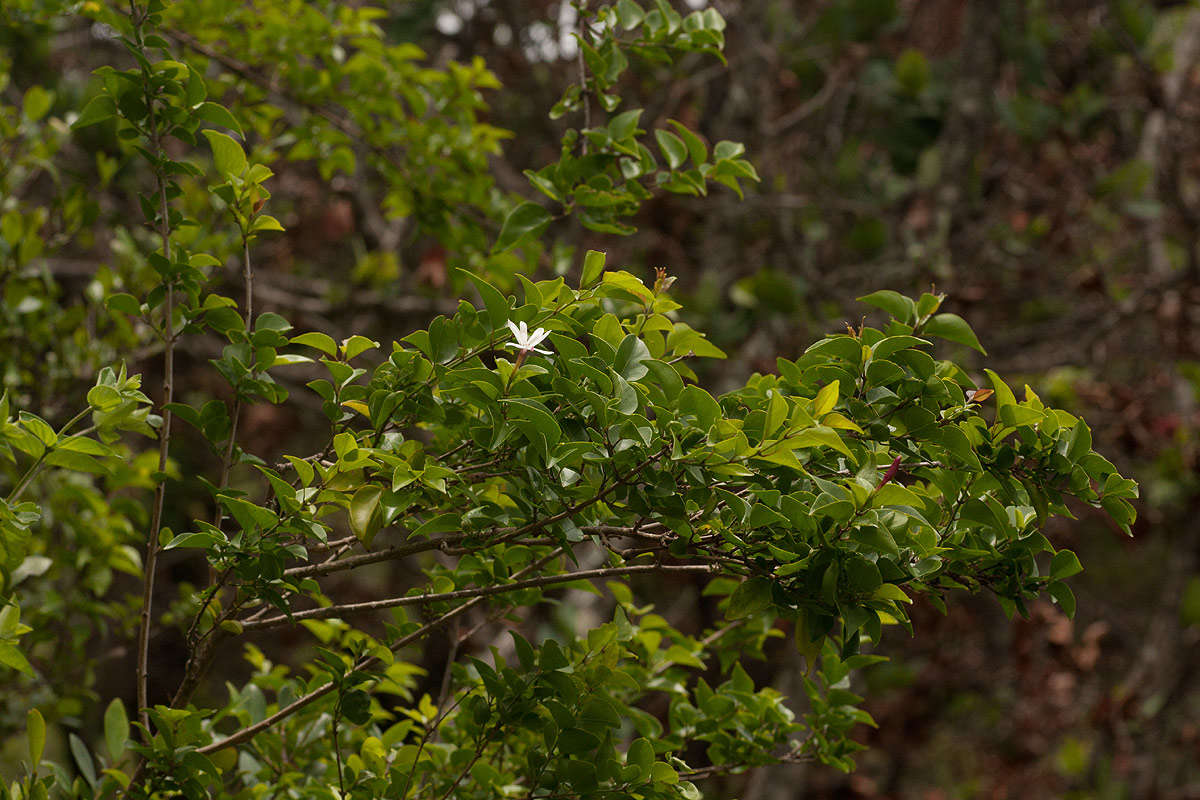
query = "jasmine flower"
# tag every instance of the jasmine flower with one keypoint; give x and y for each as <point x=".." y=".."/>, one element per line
<point x="525" y="341"/>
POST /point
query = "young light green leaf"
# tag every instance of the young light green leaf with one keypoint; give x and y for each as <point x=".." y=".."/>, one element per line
<point x="265" y="222"/>
<point x="228" y="156"/>
<point x="1004" y="395"/>
<point x="35" y="732"/>
<point x="356" y="345"/>
<point x="11" y="656"/>
<point x="116" y="729"/>
<point x="320" y="341"/>
<point x="593" y="268"/>
<point x="826" y="399"/>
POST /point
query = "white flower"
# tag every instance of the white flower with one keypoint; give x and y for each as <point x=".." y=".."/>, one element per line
<point x="526" y="341"/>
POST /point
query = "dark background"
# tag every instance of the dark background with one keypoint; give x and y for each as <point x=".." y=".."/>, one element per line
<point x="1037" y="161"/>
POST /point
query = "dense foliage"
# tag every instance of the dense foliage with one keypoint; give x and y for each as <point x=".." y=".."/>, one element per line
<point x="507" y="451"/>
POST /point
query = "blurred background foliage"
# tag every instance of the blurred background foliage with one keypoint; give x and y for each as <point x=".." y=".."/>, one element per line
<point x="1037" y="160"/>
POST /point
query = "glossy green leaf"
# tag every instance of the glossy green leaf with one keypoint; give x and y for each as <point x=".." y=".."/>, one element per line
<point x="630" y="357"/>
<point x="900" y="307"/>
<point x="365" y="519"/>
<point x="1065" y="564"/>
<point x="320" y="341"/>
<point x="672" y="147"/>
<point x="952" y="328"/>
<point x="522" y="223"/>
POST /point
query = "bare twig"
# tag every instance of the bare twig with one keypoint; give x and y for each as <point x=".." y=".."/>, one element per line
<point x="459" y="594"/>
<point x="164" y="436"/>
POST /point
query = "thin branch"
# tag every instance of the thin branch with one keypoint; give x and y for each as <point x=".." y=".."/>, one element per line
<point x="445" y="543"/>
<point x="581" y="10"/>
<point x="164" y="437"/>
<point x="388" y="554"/>
<point x="459" y="594"/>
<point x="249" y="732"/>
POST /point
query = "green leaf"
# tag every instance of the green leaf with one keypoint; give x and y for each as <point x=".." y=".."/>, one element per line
<point x="1065" y="598"/>
<point x="630" y="355"/>
<point x="228" y="155"/>
<point x="317" y="340"/>
<point x="11" y="656"/>
<point x="629" y="284"/>
<point x="35" y="732"/>
<point x="777" y="413"/>
<point x="219" y="115"/>
<point x="1004" y="395"/>
<point x="100" y="108"/>
<point x="593" y="268"/>
<point x="890" y="591"/>
<point x="629" y="14"/>
<point x="894" y="303"/>
<point x="123" y="303"/>
<point x="116" y="729"/>
<point x="641" y="755"/>
<point x="826" y="399"/>
<point x="1189" y="604"/>
<point x="1080" y="442"/>
<point x="356" y="707"/>
<point x="662" y="772"/>
<point x="695" y="145"/>
<point x="535" y="421"/>
<point x="822" y="436"/>
<point x="623" y="125"/>
<point x="673" y="148"/>
<point x="76" y="461"/>
<point x="39" y="428"/>
<point x="525" y="221"/>
<point x="862" y="576"/>
<point x="37" y="103"/>
<point x="495" y="302"/>
<point x="953" y="328"/>
<point x="1064" y="564"/>
<point x="198" y="539"/>
<point x="83" y="758"/>
<point x="365" y="519"/>
<point x="443" y="523"/>
<point x="356" y="345"/>
<point x="752" y="596"/>
<point x="265" y="222"/>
